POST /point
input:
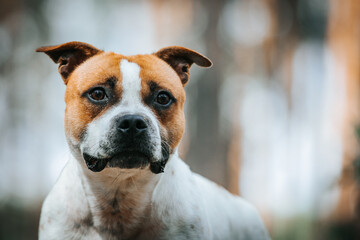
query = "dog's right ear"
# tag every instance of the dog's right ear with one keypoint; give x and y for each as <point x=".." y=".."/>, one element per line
<point x="69" y="56"/>
<point x="181" y="59"/>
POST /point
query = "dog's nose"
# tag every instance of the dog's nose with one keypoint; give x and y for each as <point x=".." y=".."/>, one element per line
<point x="132" y="124"/>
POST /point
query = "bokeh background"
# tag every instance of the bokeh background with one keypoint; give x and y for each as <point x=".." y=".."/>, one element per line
<point x="275" y="120"/>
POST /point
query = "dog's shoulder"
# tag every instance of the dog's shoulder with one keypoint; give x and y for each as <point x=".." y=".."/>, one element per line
<point x="230" y="215"/>
<point x="176" y="205"/>
<point x="199" y="205"/>
<point x="60" y="213"/>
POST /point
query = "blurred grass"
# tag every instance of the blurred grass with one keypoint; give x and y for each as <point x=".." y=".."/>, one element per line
<point x="298" y="228"/>
<point x="18" y="222"/>
<point x="306" y="228"/>
<point x="357" y="160"/>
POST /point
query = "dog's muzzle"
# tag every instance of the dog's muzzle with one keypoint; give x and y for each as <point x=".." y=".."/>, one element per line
<point x="129" y="146"/>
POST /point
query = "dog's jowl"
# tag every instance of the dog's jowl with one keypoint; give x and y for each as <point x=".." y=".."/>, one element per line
<point x="124" y="120"/>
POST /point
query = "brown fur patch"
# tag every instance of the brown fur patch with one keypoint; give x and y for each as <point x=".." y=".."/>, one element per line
<point x="172" y="120"/>
<point x="69" y="56"/>
<point x="79" y="110"/>
<point x="95" y="71"/>
<point x="181" y="59"/>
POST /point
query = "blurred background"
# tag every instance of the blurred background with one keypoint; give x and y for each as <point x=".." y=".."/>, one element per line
<point x="275" y="120"/>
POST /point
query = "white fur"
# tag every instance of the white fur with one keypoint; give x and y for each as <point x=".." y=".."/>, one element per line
<point x="130" y="103"/>
<point x="131" y="84"/>
<point x="183" y="205"/>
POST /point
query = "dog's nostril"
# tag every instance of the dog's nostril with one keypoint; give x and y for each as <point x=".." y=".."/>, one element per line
<point x="124" y="124"/>
<point x="140" y="124"/>
<point x="131" y="124"/>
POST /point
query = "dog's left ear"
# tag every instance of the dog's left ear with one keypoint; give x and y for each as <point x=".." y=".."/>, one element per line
<point x="69" y="56"/>
<point x="181" y="59"/>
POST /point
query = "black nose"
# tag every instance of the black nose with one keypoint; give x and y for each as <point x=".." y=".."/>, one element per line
<point x="132" y="124"/>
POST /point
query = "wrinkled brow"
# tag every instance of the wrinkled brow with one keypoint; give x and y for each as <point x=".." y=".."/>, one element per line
<point x="110" y="82"/>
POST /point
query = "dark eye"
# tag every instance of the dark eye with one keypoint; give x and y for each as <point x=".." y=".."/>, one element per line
<point x="163" y="98"/>
<point x="98" y="94"/>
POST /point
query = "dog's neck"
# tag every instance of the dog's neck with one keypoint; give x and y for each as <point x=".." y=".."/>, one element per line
<point x="119" y="199"/>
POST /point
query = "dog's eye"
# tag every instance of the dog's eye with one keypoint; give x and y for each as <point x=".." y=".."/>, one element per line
<point x="163" y="98"/>
<point x="97" y="94"/>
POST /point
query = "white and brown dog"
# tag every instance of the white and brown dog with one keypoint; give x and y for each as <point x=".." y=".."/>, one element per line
<point x="124" y="119"/>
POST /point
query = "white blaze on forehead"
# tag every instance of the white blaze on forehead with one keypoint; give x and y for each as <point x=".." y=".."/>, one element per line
<point x="131" y="103"/>
<point x="131" y="83"/>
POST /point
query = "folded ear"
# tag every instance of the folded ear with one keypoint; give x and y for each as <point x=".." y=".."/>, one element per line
<point x="69" y="56"/>
<point x="181" y="59"/>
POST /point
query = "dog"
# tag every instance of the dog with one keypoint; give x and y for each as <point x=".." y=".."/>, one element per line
<point x="124" y="119"/>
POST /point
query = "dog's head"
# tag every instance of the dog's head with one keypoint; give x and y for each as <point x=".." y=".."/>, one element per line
<point x="124" y="111"/>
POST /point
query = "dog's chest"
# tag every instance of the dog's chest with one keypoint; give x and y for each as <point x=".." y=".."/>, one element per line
<point x="122" y="212"/>
<point x="121" y="216"/>
<point x="131" y="215"/>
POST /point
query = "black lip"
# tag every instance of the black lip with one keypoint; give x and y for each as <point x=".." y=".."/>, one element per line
<point x="95" y="164"/>
<point x="159" y="167"/>
<point x="126" y="159"/>
<point x="129" y="159"/>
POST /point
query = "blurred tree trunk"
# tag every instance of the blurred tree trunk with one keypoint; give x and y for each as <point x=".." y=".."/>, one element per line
<point x="344" y="40"/>
<point x="209" y="158"/>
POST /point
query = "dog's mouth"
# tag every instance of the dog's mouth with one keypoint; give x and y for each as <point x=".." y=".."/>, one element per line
<point x="127" y="159"/>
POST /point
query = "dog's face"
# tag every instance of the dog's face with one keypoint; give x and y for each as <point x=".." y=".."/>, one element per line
<point x="124" y="111"/>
